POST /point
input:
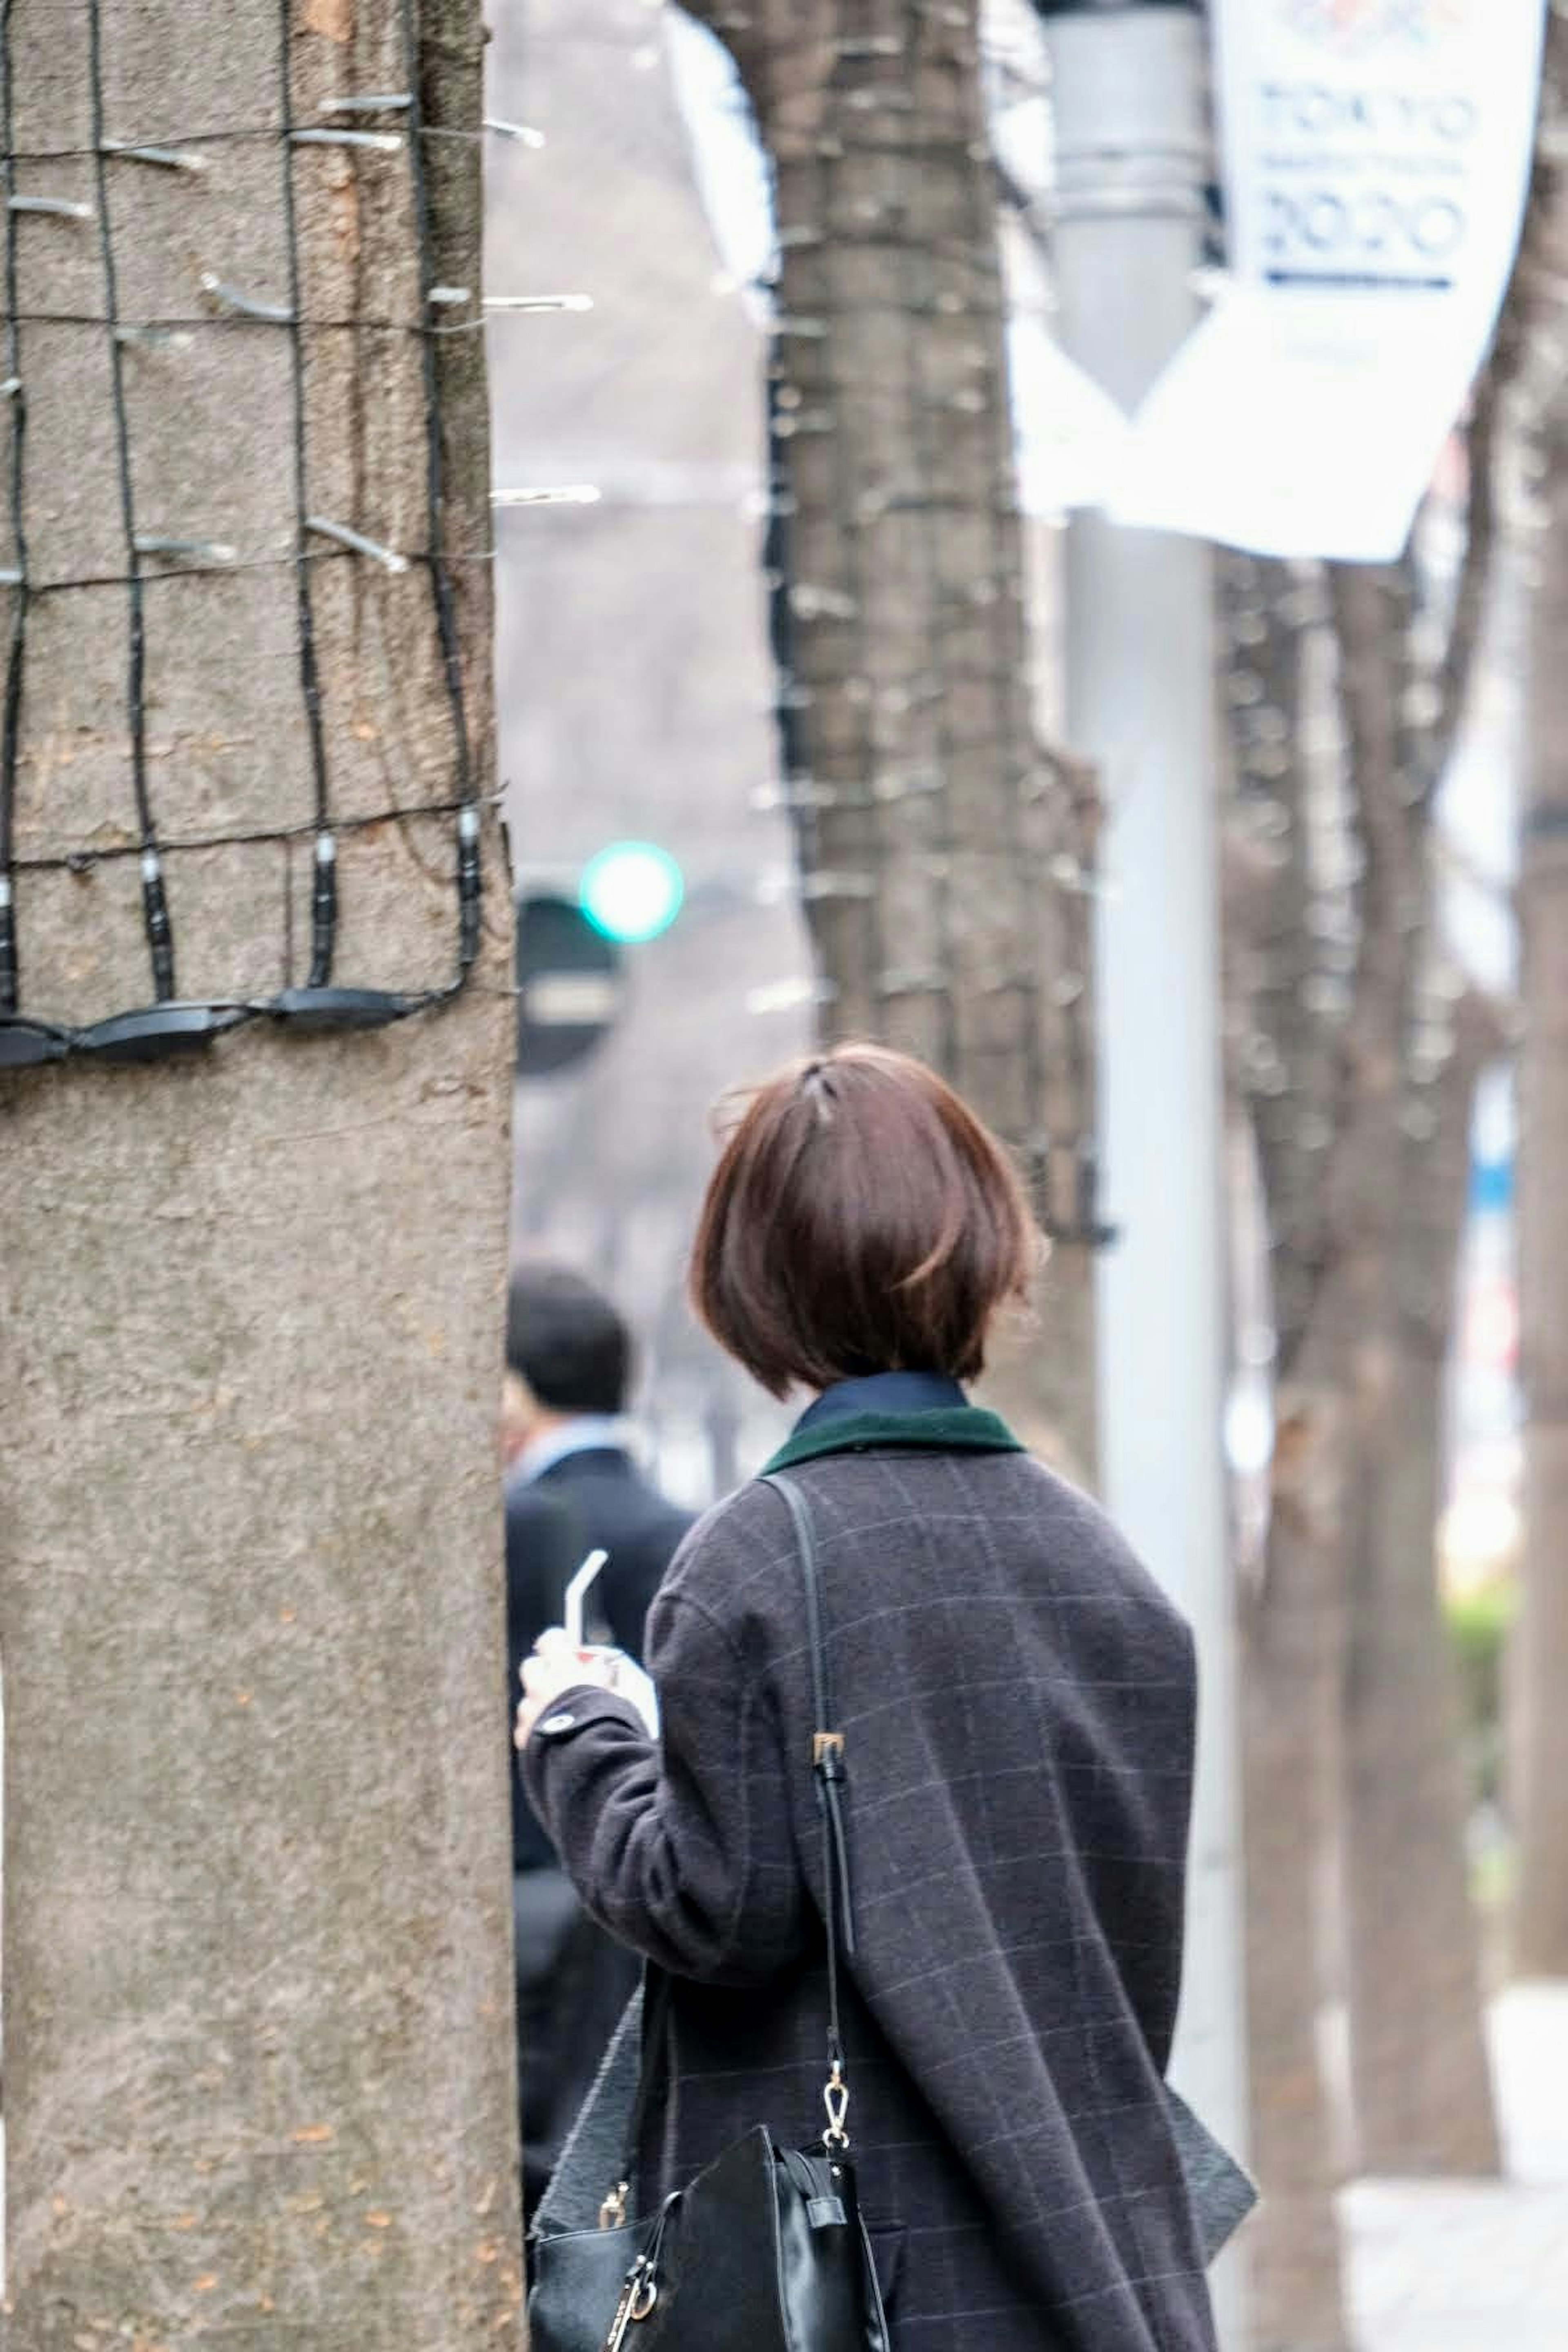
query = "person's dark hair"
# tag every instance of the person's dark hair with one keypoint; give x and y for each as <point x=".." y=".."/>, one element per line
<point x="861" y="1220"/>
<point x="565" y="1341"/>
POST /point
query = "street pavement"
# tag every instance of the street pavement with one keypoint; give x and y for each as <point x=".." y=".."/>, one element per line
<point x="1481" y="2266"/>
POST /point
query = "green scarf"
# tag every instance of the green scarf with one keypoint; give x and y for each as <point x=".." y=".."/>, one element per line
<point x="951" y="1429"/>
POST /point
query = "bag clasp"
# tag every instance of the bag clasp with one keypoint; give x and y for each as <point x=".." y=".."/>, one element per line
<point x="835" y="2099"/>
<point x="613" y="2212"/>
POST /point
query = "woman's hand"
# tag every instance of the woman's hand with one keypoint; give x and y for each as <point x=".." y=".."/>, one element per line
<point x="555" y="1668"/>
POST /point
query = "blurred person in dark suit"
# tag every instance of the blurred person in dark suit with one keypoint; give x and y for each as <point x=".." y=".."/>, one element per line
<point x="572" y="1488"/>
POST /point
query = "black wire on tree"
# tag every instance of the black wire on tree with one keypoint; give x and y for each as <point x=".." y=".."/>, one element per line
<point x="155" y="898"/>
<point x="16" y="658"/>
<point x="324" y="873"/>
<point x="170" y="1025"/>
<point x="469" y="879"/>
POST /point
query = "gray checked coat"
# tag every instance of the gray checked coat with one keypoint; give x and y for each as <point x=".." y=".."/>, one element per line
<point x="1018" y="1703"/>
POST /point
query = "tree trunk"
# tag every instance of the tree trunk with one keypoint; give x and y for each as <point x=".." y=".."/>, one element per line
<point x="1289" y="1658"/>
<point x="1414" y="1966"/>
<point x="1539" y="1666"/>
<point x="1330" y="978"/>
<point x="258" y="1992"/>
<point x="1419" y="2063"/>
<point x="1284" y="1065"/>
<point x="943" y="853"/>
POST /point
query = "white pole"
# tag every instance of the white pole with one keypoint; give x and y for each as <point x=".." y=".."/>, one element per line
<point x="1131" y="158"/>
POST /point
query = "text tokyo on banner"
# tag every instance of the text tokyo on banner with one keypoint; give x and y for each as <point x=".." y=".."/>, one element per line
<point x="1375" y="157"/>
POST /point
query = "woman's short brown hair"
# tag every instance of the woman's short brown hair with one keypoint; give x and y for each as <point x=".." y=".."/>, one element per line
<point x="861" y="1220"/>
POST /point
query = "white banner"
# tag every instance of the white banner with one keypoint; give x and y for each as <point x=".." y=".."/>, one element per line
<point x="1375" y="158"/>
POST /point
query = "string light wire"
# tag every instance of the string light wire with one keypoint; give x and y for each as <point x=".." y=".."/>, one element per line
<point x="853" y="826"/>
<point x="15" y="654"/>
<point x="917" y="264"/>
<point x="154" y="900"/>
<point x="324" y="875"/>
<point x="470" y="891"/>
<point x="171" y="1024"/>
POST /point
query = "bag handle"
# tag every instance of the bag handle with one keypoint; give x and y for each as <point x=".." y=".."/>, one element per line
<point x="830" y="1781"/>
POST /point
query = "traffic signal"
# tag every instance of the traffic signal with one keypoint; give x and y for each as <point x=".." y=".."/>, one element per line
<point x="631" y="891"/>
<point x="569" y="983"/>
<point x="570" y="975"/>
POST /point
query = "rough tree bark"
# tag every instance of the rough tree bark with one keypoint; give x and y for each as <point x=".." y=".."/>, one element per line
<point x="1421" y="2080"/>
<point x="1538" y="1740"/>
<point x="944" y="855"/>
<point x="1540" y="1667"/>
<point x="1288" y="917"/>
<point x="1296" y="2293"/>
<point x="1422" y="2088"/>
<point x="1350" y="1724"/>
<point x="259" y="2076"/>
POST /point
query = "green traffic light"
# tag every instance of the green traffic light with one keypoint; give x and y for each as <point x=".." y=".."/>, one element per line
<point x="631" y="891"/>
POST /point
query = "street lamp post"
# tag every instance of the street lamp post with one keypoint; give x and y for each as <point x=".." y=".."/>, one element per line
<point x="1132" y="151"/>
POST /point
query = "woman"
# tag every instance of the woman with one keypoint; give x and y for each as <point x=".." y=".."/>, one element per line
<point x="1017" y="1700"/>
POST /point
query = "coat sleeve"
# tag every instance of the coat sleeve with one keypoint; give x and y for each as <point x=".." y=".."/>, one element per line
<point x="681" y="1848"/>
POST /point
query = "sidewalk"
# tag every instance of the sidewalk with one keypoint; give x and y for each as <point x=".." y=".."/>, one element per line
<point x="1445" y="2266"/>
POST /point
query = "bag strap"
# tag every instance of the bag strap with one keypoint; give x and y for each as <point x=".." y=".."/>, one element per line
<point x="839" y="1915"/>
<point x="827" y="1765"/>
<point x="657" y="1985"/>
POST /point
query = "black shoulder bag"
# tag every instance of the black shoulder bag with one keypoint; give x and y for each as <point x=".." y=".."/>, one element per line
<point x="766" y="2248"/>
